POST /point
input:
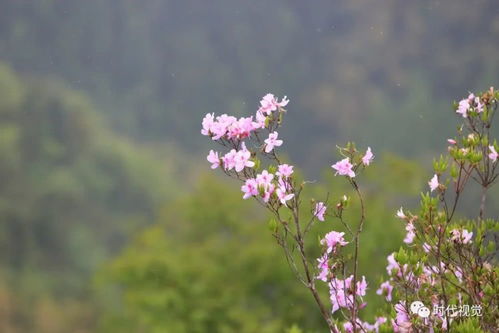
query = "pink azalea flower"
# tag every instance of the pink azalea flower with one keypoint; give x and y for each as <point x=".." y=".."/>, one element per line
<point x="208" y="122"/>
<point x="332" y="239"/>
<point x="272" y="142"/>
<point x="392" y="264"/>
<point x="213" y="159"/>
<point x="283" y="183"/>
<point x="433" y="183"/>
<point x="340" y="299"/>
<point x="387" y="288"/>
<point x="285" y="170"/>
<point x="250" y="188"/>
<point x="320" y="210"/>
<point x="242" y="160"/>
<point x="229" y="160"/>
<point x="461" y="236"/>
<point x="348" y="327"/>
<point x="260" y="120"/>
<point x="344" y="168"/>
<point x="400" y="213"/>
<point x="269" y="103"/>
<point x="339" y="293"/>
<point x="241" y="128"/>
<point x="379" y="321"/>
<point x="283" y="196"/>
<point x="466" y="235"/>
<point x="493" y="154"/>
<point x="221" y="126"/>
<point x="268" y="190"/>
<point x="361" y="287"/>
<point x="284" y="101"/>
<point x="402" y="322"/>
<point x="463" y="107"/>
<point x="323" y="266"/>
<point x="409" y="238"/>
<point x="368" y="157"/>
<point x="264" y="178"/>
<point x="478" y="105"/>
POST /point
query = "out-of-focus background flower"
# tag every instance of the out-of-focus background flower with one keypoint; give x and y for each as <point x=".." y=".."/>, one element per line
<point x="110" y="219"/>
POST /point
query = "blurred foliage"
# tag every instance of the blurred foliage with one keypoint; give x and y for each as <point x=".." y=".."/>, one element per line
<point x="208" y="265"/>
<point x="71" y="193"/>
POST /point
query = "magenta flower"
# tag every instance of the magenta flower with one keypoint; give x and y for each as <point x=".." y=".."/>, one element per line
<point x="323" y="267"/>
<point x="401" y="322"/>
<point x="478" y="105"/>
<point x="344" y="168"/>
<point x="340" y="293"/>
<point x="361" y="287"/>
<point x="461" y="236"/>
<point x="241" y="128"/>
<point x="463" y="107"/>
<point x="269" y="103"/>
<point x="250" y="188"/>
<point x="229" y="160"/>
<point x="409" y="238"/>
<point x="332" y="239"/>
<point x="493" y="153"/>
<point x="368" y="157"/>
<point x="400" y="213"/>
<point x="213" y="159"/>
<point x="272" y="142"/>
<point x="385" y="289"/>
<point x="242" y="160"/>
<point x="264" y="178"/>
<point x="320" y="210"/>
<point x="208" y="122"/>
<point x="392" y="264"/>
<point x="220" y="127"/>
<point x="285" y="170"/>
<point x="260" y="120"/>
<point x="433" y="183"/>
<point x="283" y="196"/>
<point x="268" y="190"/>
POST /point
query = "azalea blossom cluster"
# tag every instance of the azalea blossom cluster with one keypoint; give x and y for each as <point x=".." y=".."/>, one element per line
<point x="267" y="185"/>
<point x="230" y="128"/>
<point x="364" y="326"/>
<point x="443" y="261"/>
<point x="342" y="292"/>
<point x="403" y="275"/>
<point x="455" y="268"/>
<point x="232" y="133"/>
<point x="470" y="104"/>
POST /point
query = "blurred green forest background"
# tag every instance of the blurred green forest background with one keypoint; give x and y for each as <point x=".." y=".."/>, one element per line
<point x="109" y="219"/>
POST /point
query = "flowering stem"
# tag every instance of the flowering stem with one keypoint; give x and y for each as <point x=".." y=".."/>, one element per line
<point x="356" y="254"/>
<point x="482" y="203"/>
<point x="308" y="276"/>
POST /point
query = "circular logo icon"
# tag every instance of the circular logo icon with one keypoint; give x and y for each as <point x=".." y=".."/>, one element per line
<point x="415" y="306"/>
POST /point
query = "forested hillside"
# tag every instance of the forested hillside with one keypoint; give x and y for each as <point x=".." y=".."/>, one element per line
<point x="71" y="194"/>
<point x="156" y="67"/>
